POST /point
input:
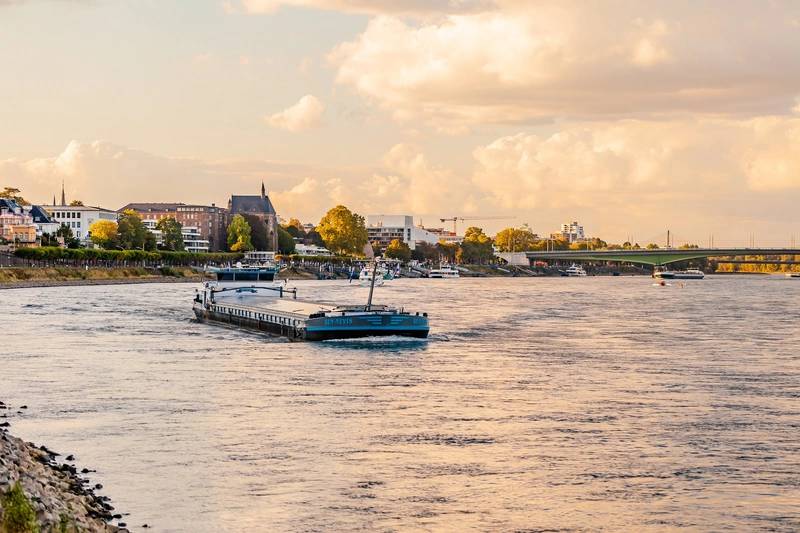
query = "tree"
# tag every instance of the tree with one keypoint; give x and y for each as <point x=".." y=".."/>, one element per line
<point x="295" y="229"/>
<point x="171" y="234"/>
<point x="343" y="231"/>
<point x="652" y="246"/>
<point x="476" y="247"/>
<point x="424" y="252"/>
<point x="515" y="240"/>
<point x="258" y="233"/>
<point x="286" y="244"/>
<point x="65" y="232"/>
<point x="150" y="243"/>
<point x="76" y="203"/>
<point x="397" y="249"/>
<point x="239" y="235"/>
<point x="447" y="251"/>
<point x="10" y="193"/>
<point x="104" y="233"/>
<point x="131" y="231"/>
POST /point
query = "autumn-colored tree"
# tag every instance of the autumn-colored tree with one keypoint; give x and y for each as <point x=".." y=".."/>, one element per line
<point x="515" y="240"/>
<point x="343" y="231"/>
<point x="239" y="235"/>
<point x="76" y="203"/>
<point x="104" y="233"/>
<point x="397" y="249"/>
<point x="476" y="247"/>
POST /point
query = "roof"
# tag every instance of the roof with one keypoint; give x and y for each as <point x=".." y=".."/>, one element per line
<point x="51" y="208"/>
<point x="151" y="206"/>
<point x="40" y="216"/>
<point x="11" y="205"/>
<point x="255" y="204"/>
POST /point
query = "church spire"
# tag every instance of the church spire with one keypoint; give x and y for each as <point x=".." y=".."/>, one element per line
<point x="63" y="196"/>
<point x="263" y="190"/>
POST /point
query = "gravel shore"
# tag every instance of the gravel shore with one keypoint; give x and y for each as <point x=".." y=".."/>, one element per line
<point x="61" y="499"/>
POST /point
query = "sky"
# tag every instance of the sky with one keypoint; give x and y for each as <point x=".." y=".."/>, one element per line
<point x="631" y="117"/>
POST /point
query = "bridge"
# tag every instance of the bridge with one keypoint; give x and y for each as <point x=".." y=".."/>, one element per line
<point x="656" y="257"/>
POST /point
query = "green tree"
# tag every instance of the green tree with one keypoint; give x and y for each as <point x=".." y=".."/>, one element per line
<point x="423" y="252"/>
<point x="65" y="232"/>
<point x="10" y="193"/>
<point x="131" y="231"/>
<point x="515" y="240"/>
<point x="239" y="235"/>
<point x="150" y="243"/>
<point x="76" y="203"/>
<point x="652" y="246"/>
<point x="18" y="514"/>
<point x="171" y="234"/>
<point x="343" y="231"/>
<point x="397" y="249"/>
<point x="476" y="247"/>
<point x="104" y="233"/>
<point x="286" y="244"/>
<point x="258" y="233"/>
<point x="295" y="228"/>
<point x="447" y="251"/>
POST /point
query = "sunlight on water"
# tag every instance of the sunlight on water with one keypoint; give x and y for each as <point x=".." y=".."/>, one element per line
<point x="563" y="404"/>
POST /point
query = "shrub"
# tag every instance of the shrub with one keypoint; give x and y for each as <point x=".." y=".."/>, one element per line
<point x="18" y="514"/>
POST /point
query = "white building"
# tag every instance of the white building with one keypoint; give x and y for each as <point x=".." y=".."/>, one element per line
<point x="386" y="228"/>
<point x="572" y="232"/>
<point x="79" y="218"/>
<point x="193" y="241"/>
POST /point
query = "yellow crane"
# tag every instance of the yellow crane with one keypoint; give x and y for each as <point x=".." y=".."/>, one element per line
<point x="455" y="220"/>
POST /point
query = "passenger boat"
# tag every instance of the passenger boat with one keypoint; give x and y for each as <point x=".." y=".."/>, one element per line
<point x="444" y="272"/>
<point x="575" y="271"/>
<point x="382" y="275"/>
<point x="679" y="274"/>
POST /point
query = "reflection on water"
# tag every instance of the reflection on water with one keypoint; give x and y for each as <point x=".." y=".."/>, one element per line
<point x="537" y="404"/>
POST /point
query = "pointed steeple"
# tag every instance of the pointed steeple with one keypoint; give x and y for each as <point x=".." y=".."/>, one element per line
<point x="263" y="190"/>
<point x="54" y="199"/>
<point x="63" y="196"/>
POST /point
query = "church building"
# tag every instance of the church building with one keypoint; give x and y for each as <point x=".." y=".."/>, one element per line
<point x="259" y="207"/>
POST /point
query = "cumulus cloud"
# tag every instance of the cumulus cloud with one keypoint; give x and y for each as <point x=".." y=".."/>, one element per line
<point x="551" y="60"/>
<point x="305" y="114"/>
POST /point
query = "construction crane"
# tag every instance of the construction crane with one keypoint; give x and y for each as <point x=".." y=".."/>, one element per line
<point x="455" y="220"/>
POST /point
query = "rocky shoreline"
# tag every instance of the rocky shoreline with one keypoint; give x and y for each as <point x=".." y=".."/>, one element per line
<point x="56" y="497"/>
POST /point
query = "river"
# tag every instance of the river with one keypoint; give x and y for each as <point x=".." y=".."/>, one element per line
<point x="552" y="403"/>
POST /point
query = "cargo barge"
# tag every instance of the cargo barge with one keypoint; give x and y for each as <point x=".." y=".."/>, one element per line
<point x="277" y="311"/>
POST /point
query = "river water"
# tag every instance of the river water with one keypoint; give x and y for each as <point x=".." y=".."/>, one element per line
<point x="537" y="404"/>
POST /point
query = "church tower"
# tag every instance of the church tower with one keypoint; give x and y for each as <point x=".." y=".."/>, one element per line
<point x="63" y="196"/>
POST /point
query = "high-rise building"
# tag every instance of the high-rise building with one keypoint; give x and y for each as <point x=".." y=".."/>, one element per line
<point x="572" y="232"/>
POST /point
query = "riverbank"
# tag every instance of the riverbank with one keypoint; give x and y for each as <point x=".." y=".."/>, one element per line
<point x="27" y="277"/>
<point x="38" y="491"/>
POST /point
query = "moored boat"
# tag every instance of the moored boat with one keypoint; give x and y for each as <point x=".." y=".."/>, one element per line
<point x="444" y="272"/>
<point x="679" y="274"/>
<point x="575" y="271"/>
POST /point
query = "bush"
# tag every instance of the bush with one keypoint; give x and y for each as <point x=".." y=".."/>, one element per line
<point x="18" y="514"/>
<point x="52" y="253"/>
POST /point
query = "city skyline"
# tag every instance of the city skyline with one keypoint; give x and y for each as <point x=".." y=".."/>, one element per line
<point x="634" y="120"/>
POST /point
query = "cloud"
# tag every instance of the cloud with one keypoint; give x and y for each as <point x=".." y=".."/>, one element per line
<point x="532" y="62"/>
<point x="305" y="114"/>
<point x="372" y="7"/>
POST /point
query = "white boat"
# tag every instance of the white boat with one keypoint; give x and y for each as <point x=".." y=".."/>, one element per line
<point x="793" y="274"/>
<point x="575" y="271"/>
<point x="365" y="276"/>
<point x="679" y="274"/>
<point x="444" y="272"/>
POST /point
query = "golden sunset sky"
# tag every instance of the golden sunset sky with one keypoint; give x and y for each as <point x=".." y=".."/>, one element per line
<point x="630" y="116"/>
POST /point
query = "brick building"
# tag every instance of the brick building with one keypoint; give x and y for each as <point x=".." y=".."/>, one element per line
<point x="211" y="221"/>
<point x="260" y="207"/>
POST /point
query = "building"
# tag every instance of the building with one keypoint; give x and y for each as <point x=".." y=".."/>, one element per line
<point x="193" y="240"/>
<point x="572" y="232"/>
<point x="79" y="218"/>
<point x="260" y="207"/>
<point x="443" y="235"/>
<point x="383" y="229"/>
<point x="209" y="221"/>
<point x="44" y="222"/>
<point x="17" y="228"/>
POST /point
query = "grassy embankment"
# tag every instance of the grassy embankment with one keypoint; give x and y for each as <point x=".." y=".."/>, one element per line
<point x="12" y="275"/>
